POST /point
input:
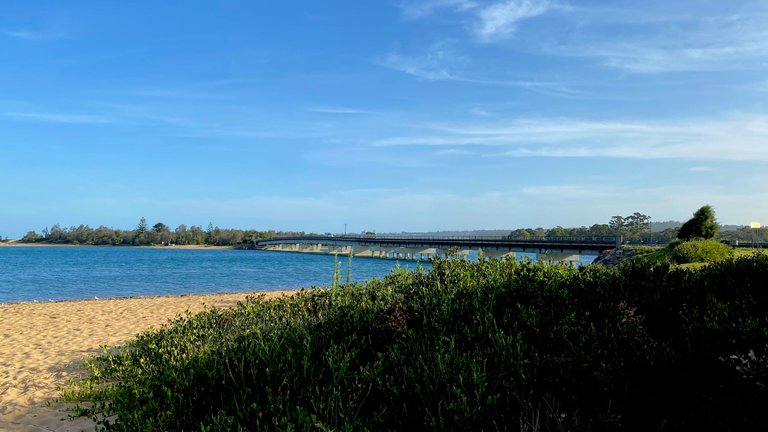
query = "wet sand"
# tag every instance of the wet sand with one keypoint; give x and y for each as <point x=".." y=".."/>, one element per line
<point x="42" y="346"/>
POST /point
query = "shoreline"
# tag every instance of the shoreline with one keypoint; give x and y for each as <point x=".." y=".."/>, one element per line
<point x="141" y="297"/>
<point x="44" y="345"/>
<point x="17" y="243"/>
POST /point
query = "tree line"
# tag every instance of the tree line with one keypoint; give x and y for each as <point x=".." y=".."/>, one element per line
<point x="634" y="227"/>
<point x="637" y="227"/>
<point x="145" y="235"/>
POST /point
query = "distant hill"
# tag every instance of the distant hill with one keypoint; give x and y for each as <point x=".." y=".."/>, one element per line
<point x="661" y="226"/>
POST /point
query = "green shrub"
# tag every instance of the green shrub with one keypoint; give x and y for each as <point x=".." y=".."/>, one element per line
<point x="700" y="251"/>
<point x="490" y="345"/>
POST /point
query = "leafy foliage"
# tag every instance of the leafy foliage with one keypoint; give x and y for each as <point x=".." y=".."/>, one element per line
<point x="700" y="251"/>
<point x="143" y="235"/>
<point x="701" y="225"/>
<point x="489" y="345"/>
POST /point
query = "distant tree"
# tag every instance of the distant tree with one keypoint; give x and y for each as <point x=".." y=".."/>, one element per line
<point x="637" y="225"/>
<point x="104" y="236"/>
<point x="58" y="235"/>
<point x="600" y="230"/>
<point x="617" y="225"/>
<point x="666" y="235"/>
<point x="701" y="225"/>
<point x="183" y="236"/>
<point x="142" y="227"/>
<point x="82" y="234"/>
<point x="520" y="234"/>
<point x="197" y="235"/>
<point x="557" y="231"/>
<point x="141" y="233"/>
<point x="31" y="237"/>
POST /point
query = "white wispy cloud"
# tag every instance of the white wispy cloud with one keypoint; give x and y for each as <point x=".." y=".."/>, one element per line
<point x="677" y="37"/>
<point x="338" y="110"/>
<point x="432" y="65"/>
<point x="703" y="169"/>
<point x="500" y="19"/>
<point x="489" y="21"/>
<point x="481" y="112"/>
<point x="727" y="41"/>
<point x="440" y="62"/>
<point x="26" y="35"/>
<point x="453" y="152"/>
<point x="49" y="117"/>
<point x="419" y="9"/>
<point x="734" y="139"/>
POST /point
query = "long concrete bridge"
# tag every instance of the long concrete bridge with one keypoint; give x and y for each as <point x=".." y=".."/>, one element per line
<point x="560" y="249"/>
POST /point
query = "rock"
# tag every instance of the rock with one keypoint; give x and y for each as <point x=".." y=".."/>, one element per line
<point x="612" y="257"/>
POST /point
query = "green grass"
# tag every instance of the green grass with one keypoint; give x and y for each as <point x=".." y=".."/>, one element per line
<point x="742" y="252"/>
<point x="687" y="254"/>
<point x="491" y="345"/>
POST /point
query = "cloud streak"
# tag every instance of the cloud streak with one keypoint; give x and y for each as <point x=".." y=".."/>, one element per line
<point x="490" y="21"/>
<point x="26" y="35"/>
<point x="630" y="36"/>
<point x="499" y="20"/>
<point x="440" y="63"/>
<point x="739" y="139"/>
<point x="47" y="117"/>
<point x="338" y="110"/>
<point x="730" y="39"/>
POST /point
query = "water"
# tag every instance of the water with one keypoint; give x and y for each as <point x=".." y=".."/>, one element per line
<point x="71" y="273"/>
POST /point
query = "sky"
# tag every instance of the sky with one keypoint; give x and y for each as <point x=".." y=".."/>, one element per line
<point x="390" y="116"/>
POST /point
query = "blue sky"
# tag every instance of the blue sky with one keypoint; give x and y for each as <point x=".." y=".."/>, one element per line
<point x="384" y="115"/>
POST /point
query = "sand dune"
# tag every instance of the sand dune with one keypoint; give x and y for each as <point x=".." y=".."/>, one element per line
<point x="42" y="346"/>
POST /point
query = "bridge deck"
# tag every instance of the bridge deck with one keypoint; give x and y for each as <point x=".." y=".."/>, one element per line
<point x="580" y="244"/>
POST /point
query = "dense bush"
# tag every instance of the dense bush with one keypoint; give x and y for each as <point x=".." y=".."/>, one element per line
<point x="706" y="251"/>
<point x="492" y="345"/>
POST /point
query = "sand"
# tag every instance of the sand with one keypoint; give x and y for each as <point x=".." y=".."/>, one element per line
<point x="42" y="346"/>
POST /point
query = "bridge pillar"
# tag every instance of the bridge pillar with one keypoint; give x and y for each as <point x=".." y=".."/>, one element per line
<point x="560" y="257"/>
<point x="362" y="251"/>
<point x="385" y="252"/>
<point x="497" y="254"/>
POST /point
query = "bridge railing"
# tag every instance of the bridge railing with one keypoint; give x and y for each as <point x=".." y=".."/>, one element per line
<point x="416" y="238"/>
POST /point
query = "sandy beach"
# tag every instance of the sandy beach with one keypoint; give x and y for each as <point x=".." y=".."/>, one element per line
<point x="42" y="346"/>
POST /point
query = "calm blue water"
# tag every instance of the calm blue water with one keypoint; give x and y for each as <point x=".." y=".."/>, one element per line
<point x="68" y="273"/>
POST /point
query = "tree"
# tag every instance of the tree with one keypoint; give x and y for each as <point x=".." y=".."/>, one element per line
<point x="617" y="225"/>
<point x="701" y="225"/>
<point x="632" y="226"/>
<point x="557" y="231"/>
<point x="31" y="237"/>
<point x="637" y="224"/>
<point x="520" y="234"/>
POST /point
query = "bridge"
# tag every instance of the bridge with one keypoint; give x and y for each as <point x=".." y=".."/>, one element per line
<point x="560" y="249"/>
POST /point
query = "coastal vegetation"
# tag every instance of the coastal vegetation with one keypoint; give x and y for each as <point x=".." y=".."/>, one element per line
<point x="636" y="228"/>
<point x="485" y="345"/>
<point x="145" y="235"/>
